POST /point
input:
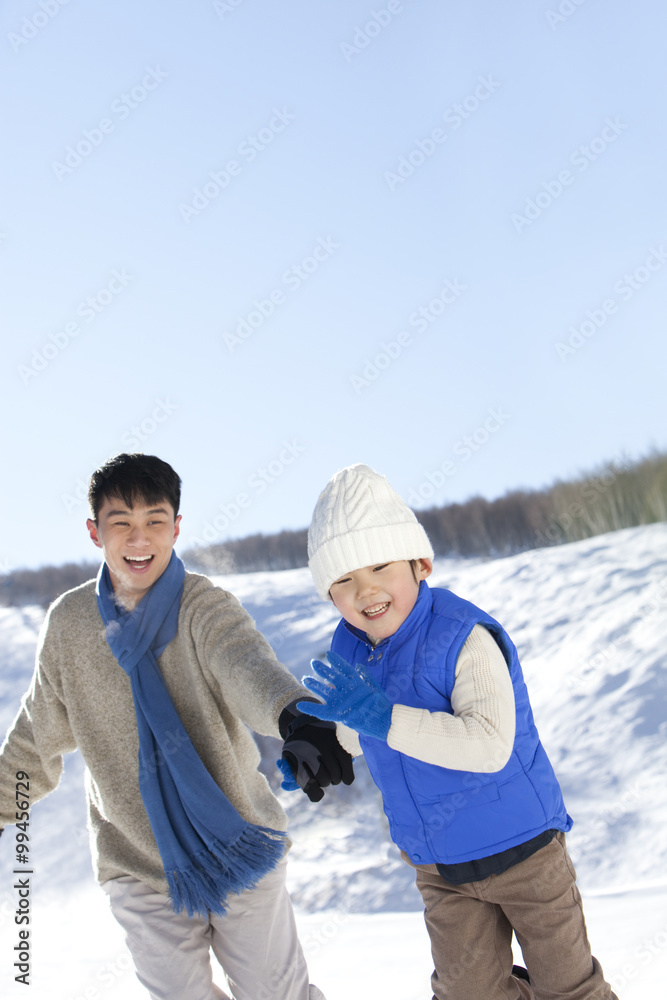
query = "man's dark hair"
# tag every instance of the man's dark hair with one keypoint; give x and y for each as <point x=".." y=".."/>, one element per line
<point x="134" y="478"/>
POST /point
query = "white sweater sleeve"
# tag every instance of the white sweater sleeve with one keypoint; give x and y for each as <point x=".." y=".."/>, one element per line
<point x="480" y="734"/>
<point x="348" y="739"/>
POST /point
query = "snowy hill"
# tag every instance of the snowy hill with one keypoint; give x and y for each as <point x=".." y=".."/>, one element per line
<point x="589" y="620"/>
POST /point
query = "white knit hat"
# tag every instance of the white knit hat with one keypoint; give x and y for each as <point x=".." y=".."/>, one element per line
<point x="359" y="520"/>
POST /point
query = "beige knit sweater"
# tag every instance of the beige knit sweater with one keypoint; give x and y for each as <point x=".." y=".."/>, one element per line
<point x="222" y="676"/>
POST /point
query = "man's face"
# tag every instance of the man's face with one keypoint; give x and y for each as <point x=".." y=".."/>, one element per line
<point x="378" y="599"/>
<point x="136" y="542"/>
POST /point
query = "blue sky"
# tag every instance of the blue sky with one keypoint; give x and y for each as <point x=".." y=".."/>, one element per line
<point x="266" y="240"/>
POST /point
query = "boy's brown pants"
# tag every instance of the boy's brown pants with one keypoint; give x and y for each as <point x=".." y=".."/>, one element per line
<point x="471" y="926"/>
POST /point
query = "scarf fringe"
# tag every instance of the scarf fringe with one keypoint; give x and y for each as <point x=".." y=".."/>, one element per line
<point x="204" y="885"/>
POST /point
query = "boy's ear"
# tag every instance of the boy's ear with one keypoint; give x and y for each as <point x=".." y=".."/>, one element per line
<point x="423" y="568"/>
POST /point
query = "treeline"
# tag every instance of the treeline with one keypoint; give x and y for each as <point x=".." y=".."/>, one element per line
<point x="618" y="495"/>
<point x="286" y="550"/>
<point x="41" y="586"/>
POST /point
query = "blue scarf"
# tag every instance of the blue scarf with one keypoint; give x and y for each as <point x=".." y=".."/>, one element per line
<point x="207" y="849"/>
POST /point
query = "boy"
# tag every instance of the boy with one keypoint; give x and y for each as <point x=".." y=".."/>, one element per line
<point x="430" y="689"/>
<point x="154" y="674"/>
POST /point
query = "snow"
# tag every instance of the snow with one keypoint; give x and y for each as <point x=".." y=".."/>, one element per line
<point x="589" y="621"/>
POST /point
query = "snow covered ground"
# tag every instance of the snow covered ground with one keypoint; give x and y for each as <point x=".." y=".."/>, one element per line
<point x="590" y="622"/>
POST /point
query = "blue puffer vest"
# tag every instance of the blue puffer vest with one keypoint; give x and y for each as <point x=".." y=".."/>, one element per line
<point x="437" y="814"/>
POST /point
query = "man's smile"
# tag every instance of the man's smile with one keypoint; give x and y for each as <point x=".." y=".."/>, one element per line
<point x="138" y="562"/>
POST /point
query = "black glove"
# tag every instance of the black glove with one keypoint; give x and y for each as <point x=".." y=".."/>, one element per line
<point x="311" y="748"/>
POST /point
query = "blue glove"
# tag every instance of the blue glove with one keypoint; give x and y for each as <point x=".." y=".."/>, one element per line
<point x="351" y="696"/>
<point x="289" y="784"/>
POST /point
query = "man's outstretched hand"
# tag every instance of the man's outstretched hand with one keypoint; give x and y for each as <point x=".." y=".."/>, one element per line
<point x="312" y="757"/>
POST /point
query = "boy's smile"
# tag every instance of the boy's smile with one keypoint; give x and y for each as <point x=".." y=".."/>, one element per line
<point x="378" y="599"/>
<point x="137" y="543"/>
<point x="376" y="610"/>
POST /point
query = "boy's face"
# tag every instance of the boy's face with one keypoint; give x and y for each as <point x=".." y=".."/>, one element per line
<point x="378" y="599"/>
<point x="137" y="543"/>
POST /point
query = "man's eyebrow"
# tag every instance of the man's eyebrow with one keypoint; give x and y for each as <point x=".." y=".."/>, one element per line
<point x="117" y="513"/>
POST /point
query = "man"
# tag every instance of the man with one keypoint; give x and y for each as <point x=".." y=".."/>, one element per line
<point x="155" y="675"/>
